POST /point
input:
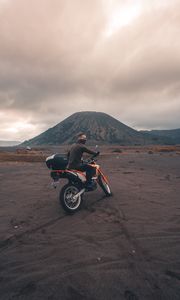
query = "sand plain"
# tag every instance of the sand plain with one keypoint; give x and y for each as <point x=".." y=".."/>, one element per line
<point x="123" y="247"/>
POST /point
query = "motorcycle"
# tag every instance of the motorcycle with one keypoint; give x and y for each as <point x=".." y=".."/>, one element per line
<point x="71" y="194"/>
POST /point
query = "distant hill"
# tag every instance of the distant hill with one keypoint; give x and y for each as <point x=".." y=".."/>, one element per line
<point x="9" y="143"/>
<point x="99" y="127"/>
<point x="171" y="136"/>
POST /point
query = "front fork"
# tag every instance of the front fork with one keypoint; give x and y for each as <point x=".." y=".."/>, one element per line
<point x="103" y="176"/>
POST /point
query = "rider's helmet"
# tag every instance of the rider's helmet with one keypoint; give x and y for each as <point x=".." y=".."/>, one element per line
<point x="82" y="138"/>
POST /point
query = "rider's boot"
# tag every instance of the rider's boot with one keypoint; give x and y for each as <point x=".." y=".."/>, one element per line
<point x="89" y="185"/>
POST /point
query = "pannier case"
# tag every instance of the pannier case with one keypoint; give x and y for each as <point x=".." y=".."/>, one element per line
<point x="57" y="162"/>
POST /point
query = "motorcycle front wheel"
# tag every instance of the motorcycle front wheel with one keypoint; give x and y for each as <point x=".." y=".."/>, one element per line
<point x="105" y="186"/>
<point x="67" y="198"/>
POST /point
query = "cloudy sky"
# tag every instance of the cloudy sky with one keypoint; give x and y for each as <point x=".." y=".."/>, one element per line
<point x="58" y="57"/>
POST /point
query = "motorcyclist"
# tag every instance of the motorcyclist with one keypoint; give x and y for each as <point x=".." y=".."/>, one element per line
<point x="75" y="158"/>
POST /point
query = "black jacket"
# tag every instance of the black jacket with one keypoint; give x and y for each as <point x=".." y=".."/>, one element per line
<point x="75" y="155"/>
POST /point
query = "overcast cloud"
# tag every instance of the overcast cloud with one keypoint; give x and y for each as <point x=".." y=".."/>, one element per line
<point x="62" y="56"/>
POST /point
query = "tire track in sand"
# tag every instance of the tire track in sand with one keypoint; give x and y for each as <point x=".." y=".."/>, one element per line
<point x="14" y="238"/>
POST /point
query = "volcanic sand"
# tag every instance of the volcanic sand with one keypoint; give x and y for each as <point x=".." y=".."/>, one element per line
<point x="123" y="247"/>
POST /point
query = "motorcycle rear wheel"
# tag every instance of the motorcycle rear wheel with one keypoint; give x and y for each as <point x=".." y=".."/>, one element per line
<point x="105" y="186"/>
<point x="66" y="195"/>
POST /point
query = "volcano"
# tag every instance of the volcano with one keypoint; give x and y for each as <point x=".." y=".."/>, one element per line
<point x="99" y="127"/>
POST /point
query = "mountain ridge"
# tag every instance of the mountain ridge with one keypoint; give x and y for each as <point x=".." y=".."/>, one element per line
<point x="98" y="126"/>
<point x="173" y="135"/>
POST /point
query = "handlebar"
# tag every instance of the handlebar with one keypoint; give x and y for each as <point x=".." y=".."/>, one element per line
<point x="91" y="159"/>
<point x="95" y="155"/>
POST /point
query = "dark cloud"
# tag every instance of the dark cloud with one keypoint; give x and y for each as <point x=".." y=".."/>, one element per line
<point x="57" y="58"/>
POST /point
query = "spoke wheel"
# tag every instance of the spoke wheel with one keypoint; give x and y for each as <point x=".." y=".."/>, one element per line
<point x="68" y="200"/>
